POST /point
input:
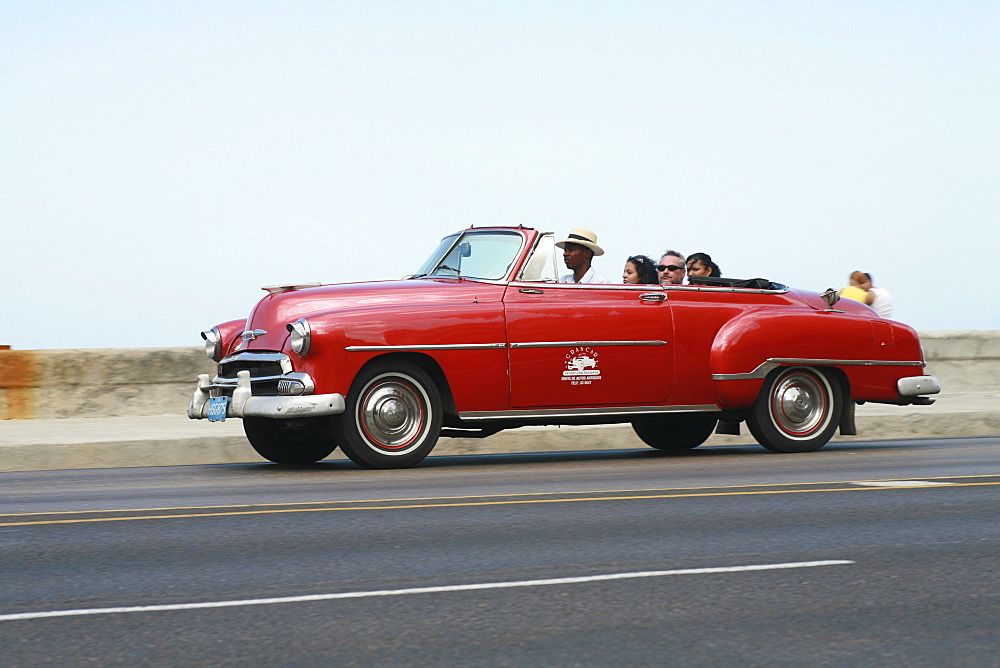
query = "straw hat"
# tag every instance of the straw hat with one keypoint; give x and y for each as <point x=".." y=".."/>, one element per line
<point x="583" y="237"/>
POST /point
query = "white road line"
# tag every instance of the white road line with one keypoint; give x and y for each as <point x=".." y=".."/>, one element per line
<point x="417" y="590"/>
<point x="902" y="483"/>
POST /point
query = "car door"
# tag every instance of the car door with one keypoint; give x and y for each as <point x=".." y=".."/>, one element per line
<point x="587" y="345"/>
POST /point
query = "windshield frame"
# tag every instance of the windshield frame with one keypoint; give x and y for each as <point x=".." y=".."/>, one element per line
<point x="540" y="238"/>
<point x="430" y="264"/>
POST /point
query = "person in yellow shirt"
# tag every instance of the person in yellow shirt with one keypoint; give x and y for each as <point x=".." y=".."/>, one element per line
<point x="854" y="290"/>
<point x="862" y="290"/>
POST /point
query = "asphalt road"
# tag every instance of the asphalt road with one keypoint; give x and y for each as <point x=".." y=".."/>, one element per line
<point x="880" y="553"/>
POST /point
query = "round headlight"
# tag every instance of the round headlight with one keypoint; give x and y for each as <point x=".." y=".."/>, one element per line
<point x="299" y="336"/>
<point x="213" y="344"/>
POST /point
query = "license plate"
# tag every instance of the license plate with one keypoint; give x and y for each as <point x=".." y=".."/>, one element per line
<point x="217" y="408"/>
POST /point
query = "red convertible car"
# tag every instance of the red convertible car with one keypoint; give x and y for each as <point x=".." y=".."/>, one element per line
<point x="483" y="338"/>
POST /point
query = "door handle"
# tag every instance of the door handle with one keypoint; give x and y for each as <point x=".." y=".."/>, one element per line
<point x="531" y="291"/>
<point x="652" y="296"/>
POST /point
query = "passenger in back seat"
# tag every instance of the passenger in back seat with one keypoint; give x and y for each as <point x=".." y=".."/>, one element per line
<point x="700" y="264"/>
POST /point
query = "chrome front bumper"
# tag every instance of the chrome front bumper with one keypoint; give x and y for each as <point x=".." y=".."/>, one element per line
<point x="244" y="404"/>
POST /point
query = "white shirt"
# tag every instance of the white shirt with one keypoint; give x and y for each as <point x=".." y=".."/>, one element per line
<point x="590" y="277"/>
<point x="882" y="302"/>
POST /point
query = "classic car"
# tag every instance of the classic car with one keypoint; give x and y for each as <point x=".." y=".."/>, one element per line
<point x="483" y="338"/>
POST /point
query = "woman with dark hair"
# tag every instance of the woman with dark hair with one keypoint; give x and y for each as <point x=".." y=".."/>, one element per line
<point x="700" y="264"/>
<point x="640" y="269"/>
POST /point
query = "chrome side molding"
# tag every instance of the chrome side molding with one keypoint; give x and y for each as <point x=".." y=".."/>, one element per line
<point x="584" y="412"/>
<point x="430" y="346"/>
<point x="588" y="344"/>
<point x="773" y="363"/>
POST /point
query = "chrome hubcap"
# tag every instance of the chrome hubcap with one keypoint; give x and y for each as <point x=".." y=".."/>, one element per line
<point x="800" y="404"/>
<point x="393" y="414"/>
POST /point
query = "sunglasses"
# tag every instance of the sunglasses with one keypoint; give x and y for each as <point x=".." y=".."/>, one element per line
<point x="667" y="267"/>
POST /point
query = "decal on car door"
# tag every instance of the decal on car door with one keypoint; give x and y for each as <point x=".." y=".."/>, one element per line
<point x="581" y="366"/>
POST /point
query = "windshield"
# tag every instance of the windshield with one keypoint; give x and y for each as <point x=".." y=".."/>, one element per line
<point x="487" y="255"/>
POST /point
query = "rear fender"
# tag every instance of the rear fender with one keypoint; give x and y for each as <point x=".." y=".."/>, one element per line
<point x="870" y="353"/>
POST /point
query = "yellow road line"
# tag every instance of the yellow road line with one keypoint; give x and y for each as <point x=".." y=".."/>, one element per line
<point x="488" y="503"/>
<point x="491" y="496"/>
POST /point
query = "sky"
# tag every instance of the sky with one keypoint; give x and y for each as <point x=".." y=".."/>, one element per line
<point x="160" y="161"/>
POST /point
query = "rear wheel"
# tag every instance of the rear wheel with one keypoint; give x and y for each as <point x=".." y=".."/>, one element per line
<point x="798" y="410"/>
<point x="392" y="417"/>
<point x="675" y="431"/>
<point x="300" y="441"/>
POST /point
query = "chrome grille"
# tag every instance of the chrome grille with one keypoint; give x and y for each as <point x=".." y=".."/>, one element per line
<point x="266" y="369"/>
<point x="259" y="365"/>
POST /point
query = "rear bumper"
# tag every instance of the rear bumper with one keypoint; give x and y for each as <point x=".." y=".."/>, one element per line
<point x="914" y="386"/>
<point x="911" y="390"/>
<point x="244" y="404"/>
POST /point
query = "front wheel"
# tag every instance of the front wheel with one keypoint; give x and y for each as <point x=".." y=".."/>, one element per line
<point x="299" y="441"/>
<point x="392" y="416"/>
<point x="675" y="431"/>
<point x="798" y="410"/>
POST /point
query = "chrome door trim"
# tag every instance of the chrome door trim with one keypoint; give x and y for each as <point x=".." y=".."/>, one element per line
<point x="583" y="412"/>
<point x="632" y="286"/>
<point x="765" y="367"/>
<point x="726" y="288"/>
<point x="445" y="346"/>
<point x="584" y="286"/>
<point x="484" y="346"/>
<point x="589" y="344"/>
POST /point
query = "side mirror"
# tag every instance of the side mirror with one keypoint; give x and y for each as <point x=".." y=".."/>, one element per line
<point x="831" y="297"/>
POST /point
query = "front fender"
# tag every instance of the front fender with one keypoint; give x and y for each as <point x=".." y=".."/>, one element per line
<point x="230" y="332"/>
<point x="465" y="341"/>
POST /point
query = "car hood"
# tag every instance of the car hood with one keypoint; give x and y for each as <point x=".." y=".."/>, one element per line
<point x="275" y="311"/>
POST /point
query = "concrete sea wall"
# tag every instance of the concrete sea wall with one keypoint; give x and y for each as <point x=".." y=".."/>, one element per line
<point x="98" y="382"/>
<point x="87" y="408"/>
<point x="76" y="383"/>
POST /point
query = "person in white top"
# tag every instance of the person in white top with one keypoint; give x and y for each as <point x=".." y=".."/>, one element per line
<point x="862" y="290"/>
<point x="579" y="249"/>
<point x="878" y="298"/>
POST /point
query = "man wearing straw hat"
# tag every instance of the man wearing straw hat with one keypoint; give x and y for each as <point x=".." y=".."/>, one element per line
<point x="579" y="248"/>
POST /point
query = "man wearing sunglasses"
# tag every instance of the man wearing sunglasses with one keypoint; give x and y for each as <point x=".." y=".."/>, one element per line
<point x="671" y="268"/>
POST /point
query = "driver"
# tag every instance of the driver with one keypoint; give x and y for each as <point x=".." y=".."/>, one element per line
<point x="579" y="248"/>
